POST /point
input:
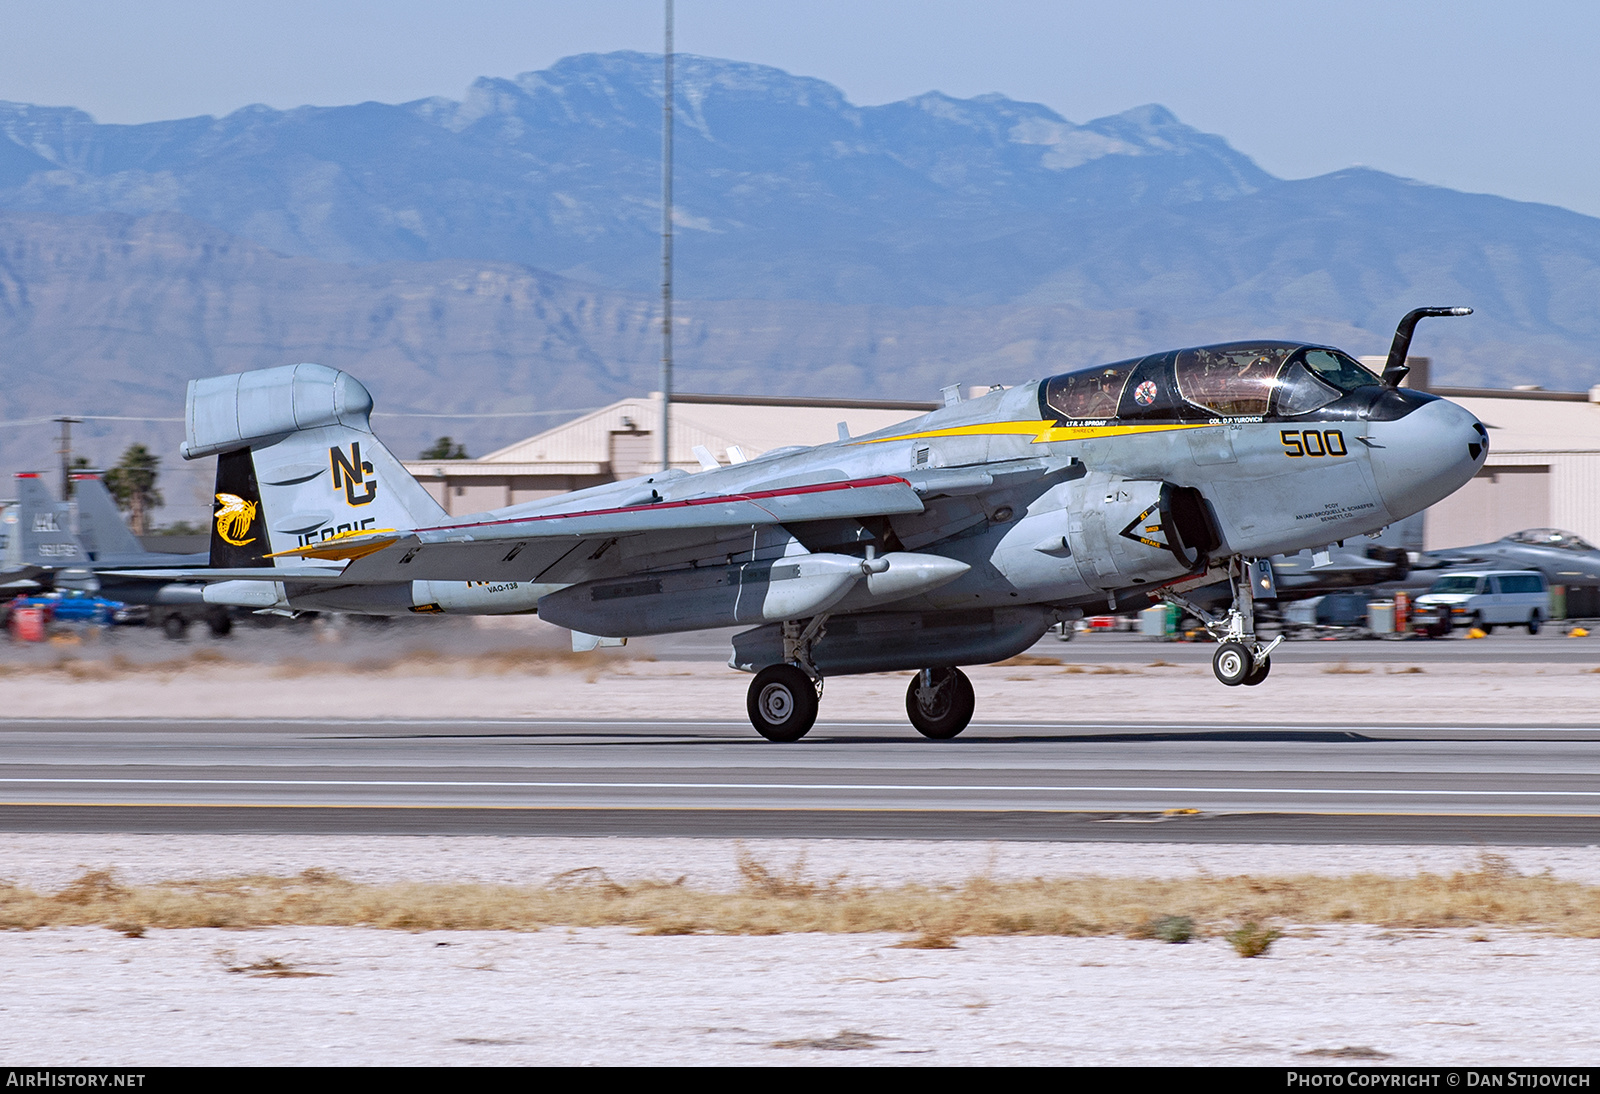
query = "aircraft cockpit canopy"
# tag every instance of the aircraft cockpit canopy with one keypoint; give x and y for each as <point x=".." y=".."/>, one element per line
<point x="1551" y="537"/>
<point x="1237" y="379"/>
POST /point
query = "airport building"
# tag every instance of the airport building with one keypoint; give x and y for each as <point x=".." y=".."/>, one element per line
<point x="1543" y="468"/>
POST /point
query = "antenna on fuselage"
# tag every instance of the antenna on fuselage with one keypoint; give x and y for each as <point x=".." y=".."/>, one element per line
<point x="1395" y="368"/>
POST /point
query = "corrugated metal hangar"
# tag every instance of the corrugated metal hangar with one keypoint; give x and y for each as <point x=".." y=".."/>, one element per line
<point x="1543" y="469"/>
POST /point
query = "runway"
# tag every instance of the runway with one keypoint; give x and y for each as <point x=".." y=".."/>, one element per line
<point x="1178" y="781"/>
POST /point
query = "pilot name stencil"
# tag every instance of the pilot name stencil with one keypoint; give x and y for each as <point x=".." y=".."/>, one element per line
<point x="1334" y="511"/>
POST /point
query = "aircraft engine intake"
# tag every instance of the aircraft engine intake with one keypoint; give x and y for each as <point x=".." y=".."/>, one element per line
<point x="1132" y="531"/>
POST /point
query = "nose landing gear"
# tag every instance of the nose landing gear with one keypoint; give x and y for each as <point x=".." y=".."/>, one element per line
<point x="1240" y="658"/>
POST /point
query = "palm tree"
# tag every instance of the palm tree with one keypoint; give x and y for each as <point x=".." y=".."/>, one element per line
<point x="444" y="449"/>
<point x="133" y="483"/>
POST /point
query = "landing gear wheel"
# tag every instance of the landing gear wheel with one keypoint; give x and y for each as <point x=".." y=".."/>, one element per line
<point x="221" y="624"/>
<point x="942" y="709"/>
<point x="1232" y="663"/>
<point x="175" y="626"/>
<point x="782" y="703"/>
<point x="1259" y="673"/>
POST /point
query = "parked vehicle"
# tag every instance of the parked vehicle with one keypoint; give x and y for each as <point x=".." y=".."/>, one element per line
<point x="1483" y="599"/>
<point x="75" y="606"/>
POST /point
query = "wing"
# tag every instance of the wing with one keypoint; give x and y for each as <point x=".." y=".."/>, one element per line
<point x="565" y="547"/>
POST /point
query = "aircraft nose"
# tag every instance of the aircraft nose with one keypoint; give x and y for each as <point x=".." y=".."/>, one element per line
<point x="1426" y="455"/>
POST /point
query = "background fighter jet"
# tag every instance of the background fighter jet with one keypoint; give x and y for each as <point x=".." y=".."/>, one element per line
<point x="96" y="554"/>
<point x="40" y="541"/>
<point x="952" y="539"/>
<point x="1565" y="559"/>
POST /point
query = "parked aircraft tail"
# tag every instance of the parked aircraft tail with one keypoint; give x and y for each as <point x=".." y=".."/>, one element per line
<point x="101" y="528"/>
<point x="44" y="527"/>
<point x="297" y="463"/>
<point x="1403" y="534"/>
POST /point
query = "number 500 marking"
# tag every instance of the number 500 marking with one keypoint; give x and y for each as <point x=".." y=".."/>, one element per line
<point x="1309" y="442"/>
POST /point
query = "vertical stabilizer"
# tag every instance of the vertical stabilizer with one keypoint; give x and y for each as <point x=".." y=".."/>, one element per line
<point x="43" y="528"/>
<point x="101" y="529"/>
<point x="238" y="525"/>
<point x="1405" y="534"/>
<point x="297" y="463"/>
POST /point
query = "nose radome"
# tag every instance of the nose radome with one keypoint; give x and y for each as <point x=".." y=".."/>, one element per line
<point x="1427" y="455"/>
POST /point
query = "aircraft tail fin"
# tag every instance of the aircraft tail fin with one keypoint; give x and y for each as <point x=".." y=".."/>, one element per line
<point x="44" y="527"/>
<point x="101" y="528"/>
<point x="297" y="463"/>
<point x="1404" y="534"/>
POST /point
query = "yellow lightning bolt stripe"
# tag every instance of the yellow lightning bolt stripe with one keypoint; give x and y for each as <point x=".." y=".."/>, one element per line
<point x="351" y="545"/>
<point x="1041" y="431"/>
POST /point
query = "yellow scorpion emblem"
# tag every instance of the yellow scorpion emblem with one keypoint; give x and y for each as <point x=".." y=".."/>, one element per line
<point x="234" y="519"/>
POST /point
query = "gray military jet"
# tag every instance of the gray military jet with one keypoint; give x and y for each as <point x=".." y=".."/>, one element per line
<point x="1563" y="557"/>
<point x="953" y="539"/>
<point x="49" y="552"/>
<point x="40" y="541"/>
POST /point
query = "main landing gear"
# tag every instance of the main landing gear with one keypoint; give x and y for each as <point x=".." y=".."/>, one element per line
<point x="783" y="702"/>
<point x="1240" y="657"/>
<point x="940" y="702"/>
<point x="783" y="699"/>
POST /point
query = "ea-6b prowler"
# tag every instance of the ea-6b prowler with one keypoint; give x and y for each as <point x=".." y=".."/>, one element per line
<point x="957" y="538"/>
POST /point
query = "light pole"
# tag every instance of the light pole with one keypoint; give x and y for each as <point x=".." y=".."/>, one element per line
<point x="666" y="247"/>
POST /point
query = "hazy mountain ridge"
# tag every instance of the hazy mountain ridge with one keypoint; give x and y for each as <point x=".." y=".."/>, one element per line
<point x="500" y="252"/>
<point x="560" y="169"/>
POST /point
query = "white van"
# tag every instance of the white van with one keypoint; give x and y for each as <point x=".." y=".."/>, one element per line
<point x="1484" y="599"/>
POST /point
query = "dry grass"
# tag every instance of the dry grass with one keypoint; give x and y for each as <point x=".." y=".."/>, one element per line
<point x="1344" y="668"/>
<point x="530" y="660"/>
<point x="1028" y="659"/>
<point x="771" y="901"/>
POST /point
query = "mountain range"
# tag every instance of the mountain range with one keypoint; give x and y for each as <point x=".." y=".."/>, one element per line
<point x="500" y="253"/>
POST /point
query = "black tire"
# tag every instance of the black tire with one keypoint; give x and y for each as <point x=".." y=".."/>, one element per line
<point x="1477" y="621"/>
<point x="782" y="703"/>
<point x="175" y="626"/>
<point x="221" y="624"/>
<point x="1232" y="663"/>
<point x="1259" y="673"/>
<point x="943" y="711"/>
<point x="1534" y="622"/>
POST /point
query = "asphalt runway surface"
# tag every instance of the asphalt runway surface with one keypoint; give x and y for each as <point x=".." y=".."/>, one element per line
<point x="1504" y="646"/>
<point x="1174" y="782"/>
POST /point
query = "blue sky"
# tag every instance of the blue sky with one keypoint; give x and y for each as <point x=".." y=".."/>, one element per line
<point x="1492" y="97"/>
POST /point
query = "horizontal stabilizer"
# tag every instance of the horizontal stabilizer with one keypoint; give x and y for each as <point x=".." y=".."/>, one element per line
<point x="309" y="576"/>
